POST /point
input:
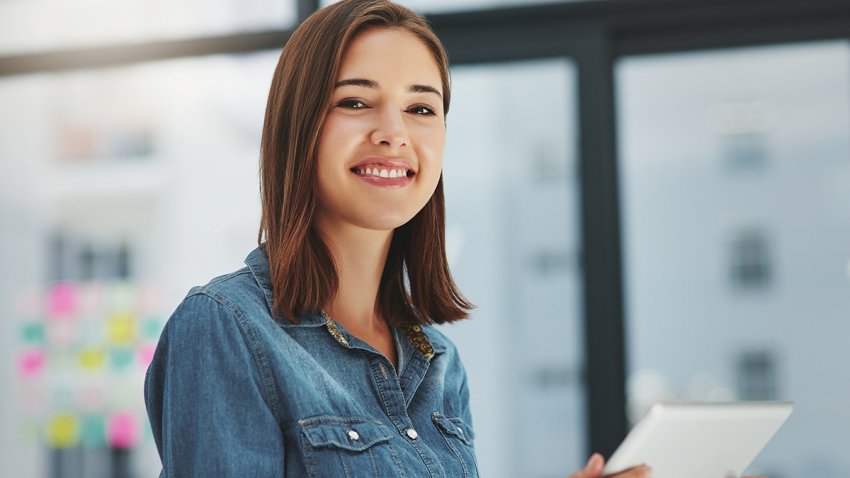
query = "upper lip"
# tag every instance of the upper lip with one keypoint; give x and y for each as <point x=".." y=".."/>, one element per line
<point x="390" y="163"/>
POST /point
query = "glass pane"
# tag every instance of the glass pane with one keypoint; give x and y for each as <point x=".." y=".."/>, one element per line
<point x="445" y="6"/>
<point x="109" y="212"/>
<point x="37" y="25"/>
<point x="512" y="226"/>
<point x="736" y="166"/>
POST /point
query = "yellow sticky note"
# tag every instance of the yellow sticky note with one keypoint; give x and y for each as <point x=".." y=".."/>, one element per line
<point x="62" y="431"/>
<point x="92" y="358"/>
<point x="121" y="329"/>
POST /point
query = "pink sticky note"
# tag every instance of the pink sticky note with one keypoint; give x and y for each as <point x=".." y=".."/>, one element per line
<point x="146" y="355"/>
<point x="62" y="300"/>
<point x="31" y="363"/>
<point x="123" y="431"/>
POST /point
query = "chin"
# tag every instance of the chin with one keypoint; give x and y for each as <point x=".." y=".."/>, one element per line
<point x="385" y="222"/>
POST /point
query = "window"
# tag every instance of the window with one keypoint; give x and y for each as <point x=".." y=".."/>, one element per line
<point x="684" y="327"/>
<point x="757" y="376"/>
<point x="750" y="260"/>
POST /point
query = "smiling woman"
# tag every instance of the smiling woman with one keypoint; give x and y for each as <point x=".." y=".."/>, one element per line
<point x="317" y="359"/>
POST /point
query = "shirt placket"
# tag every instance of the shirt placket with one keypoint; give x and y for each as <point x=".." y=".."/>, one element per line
<point x="393" y="396"/>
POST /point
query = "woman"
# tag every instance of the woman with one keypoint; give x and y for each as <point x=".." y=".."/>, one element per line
<point x="315" y="360"/>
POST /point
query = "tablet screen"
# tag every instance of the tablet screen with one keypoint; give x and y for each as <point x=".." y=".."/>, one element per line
<point x="700" y="440"/>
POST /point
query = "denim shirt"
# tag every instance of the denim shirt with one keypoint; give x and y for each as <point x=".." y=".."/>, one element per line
<point x="233" y="392"/>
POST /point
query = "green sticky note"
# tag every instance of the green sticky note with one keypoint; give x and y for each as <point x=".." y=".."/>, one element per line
<point x="93" y="431"/>
<point x="121" y="358"/>
<point x="32" y="333"/>
<point x="151" y="328"/>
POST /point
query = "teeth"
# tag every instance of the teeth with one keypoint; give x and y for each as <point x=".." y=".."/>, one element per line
<point x="383" y="173"/>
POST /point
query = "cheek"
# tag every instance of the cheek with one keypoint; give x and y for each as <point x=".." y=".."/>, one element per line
<point x="433" y="146"/>
<point x="335" y="137"/>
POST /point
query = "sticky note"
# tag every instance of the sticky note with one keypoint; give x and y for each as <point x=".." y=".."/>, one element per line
<point x="148" y="432"/>
<point x="32" y="332"/>
<point x="91" y="358"/>
<point x="31" y="363"/>
<point x="121" y="329"/>
<point x="152" y="328"/>
<point x="93" y="433"/>
<point x="62" y="300"/>
<point x="123" y="430"/>
<point x="121" y="358"/>
<point x="146" y="355"/>
<point x="62" y="431"/>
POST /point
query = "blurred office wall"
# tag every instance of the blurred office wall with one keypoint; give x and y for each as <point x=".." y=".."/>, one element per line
<point x="121" y="188"/>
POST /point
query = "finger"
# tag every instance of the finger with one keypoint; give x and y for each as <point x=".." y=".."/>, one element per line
<point x="595" y="465"/>
<point x="592" y="469"/>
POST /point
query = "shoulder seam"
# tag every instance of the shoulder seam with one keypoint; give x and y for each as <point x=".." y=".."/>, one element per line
<point x="249" y="335"/>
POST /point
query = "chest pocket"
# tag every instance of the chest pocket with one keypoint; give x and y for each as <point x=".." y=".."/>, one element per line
<point x="459" y="437"/>
<point x="348" y="447"/>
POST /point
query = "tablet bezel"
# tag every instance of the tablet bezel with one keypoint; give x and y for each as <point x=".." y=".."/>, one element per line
<point x="714" y="439"/>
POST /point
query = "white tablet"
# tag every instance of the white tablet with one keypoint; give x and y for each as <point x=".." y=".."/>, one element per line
<point x="700" y="440"/>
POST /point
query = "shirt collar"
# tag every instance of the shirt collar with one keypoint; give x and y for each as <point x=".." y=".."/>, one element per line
<point x="258" y="263"/>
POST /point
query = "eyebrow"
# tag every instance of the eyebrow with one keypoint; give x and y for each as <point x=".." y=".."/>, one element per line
<point x="362" y="82"/>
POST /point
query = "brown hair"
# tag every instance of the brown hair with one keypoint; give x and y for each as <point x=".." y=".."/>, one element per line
<point x="302" y="270"/>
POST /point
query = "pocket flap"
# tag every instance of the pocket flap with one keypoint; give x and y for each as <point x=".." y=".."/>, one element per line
<point x="454" y="427"/>
<point x="355" y="434"/>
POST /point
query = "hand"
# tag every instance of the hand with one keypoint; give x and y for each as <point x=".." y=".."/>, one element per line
<point x="594" y="466"/>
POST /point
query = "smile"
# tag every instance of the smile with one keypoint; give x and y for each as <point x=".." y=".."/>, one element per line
<point x="386" y="173"/>
<point x="383" y="172"/>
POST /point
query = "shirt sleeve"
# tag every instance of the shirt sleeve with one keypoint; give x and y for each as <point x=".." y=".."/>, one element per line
<point x="465" y="410"/>
<point x="204" y="398"/>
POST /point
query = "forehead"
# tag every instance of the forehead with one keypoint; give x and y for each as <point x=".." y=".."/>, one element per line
<point x="390" y="55"/>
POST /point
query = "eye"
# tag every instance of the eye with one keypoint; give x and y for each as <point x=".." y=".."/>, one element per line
<point x="421" y="110"/>
<point x="352" y="104"/>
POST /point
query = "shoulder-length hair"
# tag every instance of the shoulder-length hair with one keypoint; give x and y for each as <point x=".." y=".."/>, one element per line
<point x="302" y="270"/>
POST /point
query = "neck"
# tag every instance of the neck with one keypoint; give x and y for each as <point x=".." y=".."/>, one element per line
<point x="359" y="255"/>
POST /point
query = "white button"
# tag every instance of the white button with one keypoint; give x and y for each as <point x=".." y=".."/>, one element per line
<point x="353" y="435"/>
<point x="411" y="433"/>
<point x="459" y="430"/>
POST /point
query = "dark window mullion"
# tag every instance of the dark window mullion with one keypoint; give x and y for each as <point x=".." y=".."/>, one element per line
<point x="601" y="240"/>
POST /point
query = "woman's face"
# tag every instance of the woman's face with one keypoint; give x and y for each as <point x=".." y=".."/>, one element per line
<point x="381" y="148"/>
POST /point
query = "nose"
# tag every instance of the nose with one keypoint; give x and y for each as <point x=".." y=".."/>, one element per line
<point x="390" y="130"/>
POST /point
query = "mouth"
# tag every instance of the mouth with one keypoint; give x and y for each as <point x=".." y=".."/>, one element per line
<point x="388" y="173"/>
<point x="382" y="171"/>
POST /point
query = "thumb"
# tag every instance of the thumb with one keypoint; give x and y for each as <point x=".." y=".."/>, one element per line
<point x="593" y="468"/>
